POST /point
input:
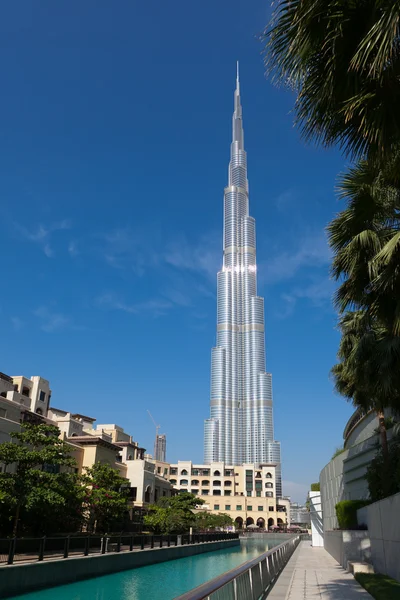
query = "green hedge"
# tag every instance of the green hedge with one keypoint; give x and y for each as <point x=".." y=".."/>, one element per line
<point x="346" y="512"/>
<point x="315" y="487"/>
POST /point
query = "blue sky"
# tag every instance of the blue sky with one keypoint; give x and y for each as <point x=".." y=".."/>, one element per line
<point x="115" y="120"/>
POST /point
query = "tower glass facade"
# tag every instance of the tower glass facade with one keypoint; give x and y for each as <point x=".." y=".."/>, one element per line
<point x="160" y="447"/>
<point x="240" y="427"/>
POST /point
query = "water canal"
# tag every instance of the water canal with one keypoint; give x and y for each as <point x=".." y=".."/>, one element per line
<point x="163" y="581"/>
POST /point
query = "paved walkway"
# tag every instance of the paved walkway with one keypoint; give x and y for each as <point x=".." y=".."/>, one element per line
<point x="312" y="574"/>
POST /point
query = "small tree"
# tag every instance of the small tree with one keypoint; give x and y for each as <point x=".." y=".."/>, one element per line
<point x="32" y="480"/>
<point x="205" y="520"/>
<point x="173" y="515"/>
<point x="106" y="500"/>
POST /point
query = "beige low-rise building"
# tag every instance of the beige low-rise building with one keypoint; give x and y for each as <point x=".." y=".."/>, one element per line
<point x="27" y="400"/>
<point x="109" y="443"/>
<point x="22" y="400"/>
<point x="245" y="492"/>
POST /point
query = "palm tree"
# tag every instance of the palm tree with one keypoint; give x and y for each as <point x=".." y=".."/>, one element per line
<point x="342" y="58"/>
<point x="365" y="239"/>
<point x="367" y="372"/>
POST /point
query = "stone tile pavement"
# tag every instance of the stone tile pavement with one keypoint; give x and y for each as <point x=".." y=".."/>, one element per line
<point x="312" y="574"/>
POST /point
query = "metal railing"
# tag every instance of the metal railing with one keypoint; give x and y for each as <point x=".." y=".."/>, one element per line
<point x="250" y="581"/>
<point x="20" y="550"/>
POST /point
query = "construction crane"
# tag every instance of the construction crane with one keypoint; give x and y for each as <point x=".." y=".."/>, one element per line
<point x="155" y="424"/>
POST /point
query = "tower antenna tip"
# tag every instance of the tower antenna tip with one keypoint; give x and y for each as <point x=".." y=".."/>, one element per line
<point x="237" y="70"/>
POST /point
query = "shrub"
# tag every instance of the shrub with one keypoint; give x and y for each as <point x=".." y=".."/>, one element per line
<point x="315" y="487"/>
<point x="338" y="451"/>
<point x="346" y="512"/>
<point x="384" y="477"/>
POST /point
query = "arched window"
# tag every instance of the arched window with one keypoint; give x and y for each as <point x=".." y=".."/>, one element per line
<point x="249" y="521"/>
<point x="195" y="482"/>
<point x="269" y="485"/>
<point x="217" y="473"/>
<point x="183" y="482"/>
<point x="205" y="482"/>
<point x="184" y="472"/>
<point x="217" y="482"/>
<point x="39" y="411"/>
<point x="271" y="522"/>
<point x="239" y="522"/>
<point x="228" y="483"/>
<point x="173" y="481"/>
<point x="261" y="523"/>
<point x="268" y="475"/>
<point x="147" y="494"/>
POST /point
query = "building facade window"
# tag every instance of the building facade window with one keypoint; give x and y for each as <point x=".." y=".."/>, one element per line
<point x="183" y="482"/>
<point x="173" y="481"/>
<point x="216" y="506"/>
<point x="227" y="492"/>
<point x="42" y="396"/>
<point x="227" y="483"/>
<point x="271" y="508"/>
<point x="205" y="482"/>
<point x="217" y="483"/>
<point x="268" y="494"/>
<point x="238" y="507"/>
<point x="249" y="493"/>
<point x="195" y="482"/>
<point x="258" y="494"/>
<point x="204" y="492"/>
<point x="260" y="508"/>
<point x="216" y="492"/>
<point x="227" y="507"/>
<point x="269" y="485"/>
<point x="173" y="471"/>
<point x="268" y="475"/>
<point x="249" y="507"/>
<point x="184" y="472"/>
<point x="217" y="473"/>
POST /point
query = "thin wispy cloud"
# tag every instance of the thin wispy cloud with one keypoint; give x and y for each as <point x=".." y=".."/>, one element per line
<point x="17" y="323"/>
<point x="42" y="234"/>
<point x="51" y="321"/>
<point x="155" y="306"/>
<point x="126" y="249"/>
<point x="203" y="256"/>
<point x="284" y="199"/>
<point x="73" y="249"/>
<point x="312" y="251"/>
<point x="318" y="293"/>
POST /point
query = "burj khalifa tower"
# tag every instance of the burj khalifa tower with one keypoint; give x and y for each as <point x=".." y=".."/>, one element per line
<point x="240" y="428"/>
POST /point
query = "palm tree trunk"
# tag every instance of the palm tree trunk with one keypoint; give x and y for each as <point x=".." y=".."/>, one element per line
<point x="383" y="435"/>
<point x="16" y="519"/>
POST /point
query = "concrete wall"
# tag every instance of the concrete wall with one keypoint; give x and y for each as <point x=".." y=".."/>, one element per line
<point x="317" y="532"/>
<point x="384" y="531"/>
<point x="348" y="545"/>
<point x="19" y="579"/>
<point x="343" y="478"/>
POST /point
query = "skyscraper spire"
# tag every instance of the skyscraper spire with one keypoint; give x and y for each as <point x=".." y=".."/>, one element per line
<point x="240" y="428"/>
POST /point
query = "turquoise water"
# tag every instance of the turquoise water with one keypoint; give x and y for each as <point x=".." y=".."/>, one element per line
<point x="164" y="581"/>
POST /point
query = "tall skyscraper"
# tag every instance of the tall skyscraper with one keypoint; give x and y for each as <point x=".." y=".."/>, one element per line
<point x="160" y="447"/>
<point x="240" y="427"/>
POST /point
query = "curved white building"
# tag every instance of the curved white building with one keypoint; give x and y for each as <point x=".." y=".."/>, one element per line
<point x="240" y="427"/>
